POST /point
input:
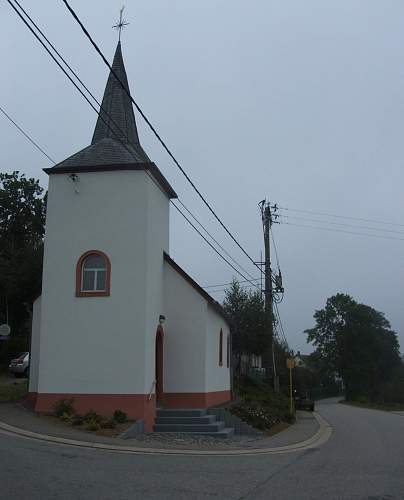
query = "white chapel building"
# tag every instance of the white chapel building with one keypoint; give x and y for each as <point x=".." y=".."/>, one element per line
<point x="119" y="324"/>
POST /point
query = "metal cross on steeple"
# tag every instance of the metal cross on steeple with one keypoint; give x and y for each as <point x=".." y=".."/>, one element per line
<point x="121" y="23"/>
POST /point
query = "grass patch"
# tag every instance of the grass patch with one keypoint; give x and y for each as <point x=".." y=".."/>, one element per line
<point x="13" y="392"/>
<point x="374" y="406"/>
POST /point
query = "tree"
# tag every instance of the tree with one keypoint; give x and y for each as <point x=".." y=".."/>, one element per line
<point x="246" y="312"/>
<point x="22" y="227"/>
<point x="355" y="342"/>
<point x="316" y="378"/>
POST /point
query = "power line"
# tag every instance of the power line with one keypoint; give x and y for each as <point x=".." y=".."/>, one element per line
<point x="276" y="251"/>
<point x="342" y="231"/>
<point x="70" y="69"/>
<point x="357" y="226"/>
<point x="230" y="283"/>
<point x="341" y="216"/>
<point x="52" y="56"/>
<point x="210" y="244"/>
<point x="221" y="290"/>
<point x="92" y="106"/>
<point x="166" y="148"/>
<point x="281" y="326"/>
<point x="73" y="82"/>
<point x="217" y="243"/>
<point x="58" y="53"/>
<point x="27" y="136"/>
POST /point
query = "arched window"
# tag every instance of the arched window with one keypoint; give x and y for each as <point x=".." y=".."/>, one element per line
<point x="93" y="275"/>
<point x="221" y="348"/>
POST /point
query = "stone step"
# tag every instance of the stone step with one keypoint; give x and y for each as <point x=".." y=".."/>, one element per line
<point x="224" y="433"/>
<point x="190" y="428"/>
<point x="194" y="412"/>
<point x="207" y="419"/>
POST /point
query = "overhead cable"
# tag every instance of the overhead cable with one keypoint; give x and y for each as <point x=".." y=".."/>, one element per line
<point x="230" y="283"/>
<point x="355" y="226"/>
<point x="215" y="240"/>
<point x="27" y="136"/>
<point x="342" y="231"/>
<point x="161" y="141"/>
<point x="314" y="212"/>
<point x="210" y="244"/>
<point x="85" y="97"/>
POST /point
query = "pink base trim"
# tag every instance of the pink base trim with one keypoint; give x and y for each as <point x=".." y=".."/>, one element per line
<point x="136" y="406"/>
<point x="195" y="399"/>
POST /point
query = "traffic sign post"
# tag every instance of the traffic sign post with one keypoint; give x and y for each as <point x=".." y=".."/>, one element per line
<point x="290" y="363"/>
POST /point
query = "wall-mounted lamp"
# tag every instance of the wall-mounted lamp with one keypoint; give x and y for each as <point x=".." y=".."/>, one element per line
<point x="75" y="179"/>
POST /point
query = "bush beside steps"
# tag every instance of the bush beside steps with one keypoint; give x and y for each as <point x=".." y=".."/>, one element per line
<point x="91" y="421"/>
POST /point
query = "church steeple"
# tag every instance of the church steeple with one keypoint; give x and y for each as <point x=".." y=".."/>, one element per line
<point x="115" y="140"/>
<point x="116" y="119"/>
<point x="115" y="144"/>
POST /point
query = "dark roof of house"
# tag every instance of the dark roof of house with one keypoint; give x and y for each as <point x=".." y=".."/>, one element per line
<point x="115" y="143"/>
<point x="211" y="301"/>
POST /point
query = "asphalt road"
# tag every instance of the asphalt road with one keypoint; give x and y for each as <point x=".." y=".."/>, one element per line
<point x="363" y="459"/>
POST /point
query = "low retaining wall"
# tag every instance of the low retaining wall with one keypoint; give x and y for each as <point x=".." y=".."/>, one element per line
<point x="133" y="431"/>
<point x="240" y="427"/>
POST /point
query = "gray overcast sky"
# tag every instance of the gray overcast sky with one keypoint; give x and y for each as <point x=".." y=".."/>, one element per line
<point x="298" y="101"/>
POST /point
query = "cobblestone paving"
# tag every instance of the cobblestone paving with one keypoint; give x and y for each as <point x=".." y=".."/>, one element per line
<point x="181" y="439"/>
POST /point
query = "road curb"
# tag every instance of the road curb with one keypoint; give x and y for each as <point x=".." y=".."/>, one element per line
<point x="319" y="438"/>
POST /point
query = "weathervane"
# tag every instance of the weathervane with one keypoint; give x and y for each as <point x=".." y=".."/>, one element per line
<point x="121" y="23"/>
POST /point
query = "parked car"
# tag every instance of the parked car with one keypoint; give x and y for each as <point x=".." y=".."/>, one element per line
<point x="20" y="365"/>
<point x="304" y="402"/>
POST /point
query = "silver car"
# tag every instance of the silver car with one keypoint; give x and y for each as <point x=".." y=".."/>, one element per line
<point x="20" y="365"/>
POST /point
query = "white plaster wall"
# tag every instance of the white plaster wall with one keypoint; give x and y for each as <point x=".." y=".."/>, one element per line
<point x="100" y="344"/>
<point x="184" y="335"/>
<point x="217" y="378"/>
<point x="34" y="353"/>
<point x="157" y="239"/>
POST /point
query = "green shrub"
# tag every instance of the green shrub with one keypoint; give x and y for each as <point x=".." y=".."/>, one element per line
<point x="108" y="423"/>
<point x="93" y="425"/>
<point x="120" y="416"/>
<point x="66" y="417"/>
<point x="92" y="416"/>
<point x="64" y="406"/>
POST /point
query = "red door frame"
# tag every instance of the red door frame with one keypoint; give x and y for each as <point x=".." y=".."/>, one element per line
<point x="159" y="363"/>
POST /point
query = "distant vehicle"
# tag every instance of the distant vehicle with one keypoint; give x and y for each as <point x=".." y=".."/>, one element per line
<point x="20" y="365"/>
<point x="304" y="403"/>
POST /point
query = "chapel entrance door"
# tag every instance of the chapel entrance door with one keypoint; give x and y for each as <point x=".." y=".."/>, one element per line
<point x="159" y="365"/>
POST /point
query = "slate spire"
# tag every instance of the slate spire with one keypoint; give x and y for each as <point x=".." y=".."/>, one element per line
<point x="116" y="119"/>
<point x="115" y="140"/>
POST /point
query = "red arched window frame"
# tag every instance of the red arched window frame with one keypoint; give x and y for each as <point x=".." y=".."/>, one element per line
<point x="221" y="348"/>
<point x="79" y="276"/>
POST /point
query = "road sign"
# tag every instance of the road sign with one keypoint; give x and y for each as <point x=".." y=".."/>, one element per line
<point x="290" y="363"/>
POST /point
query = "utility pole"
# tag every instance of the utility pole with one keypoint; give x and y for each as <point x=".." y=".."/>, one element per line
<point x="269" y="326"/>
<point x="267" y="221"/>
